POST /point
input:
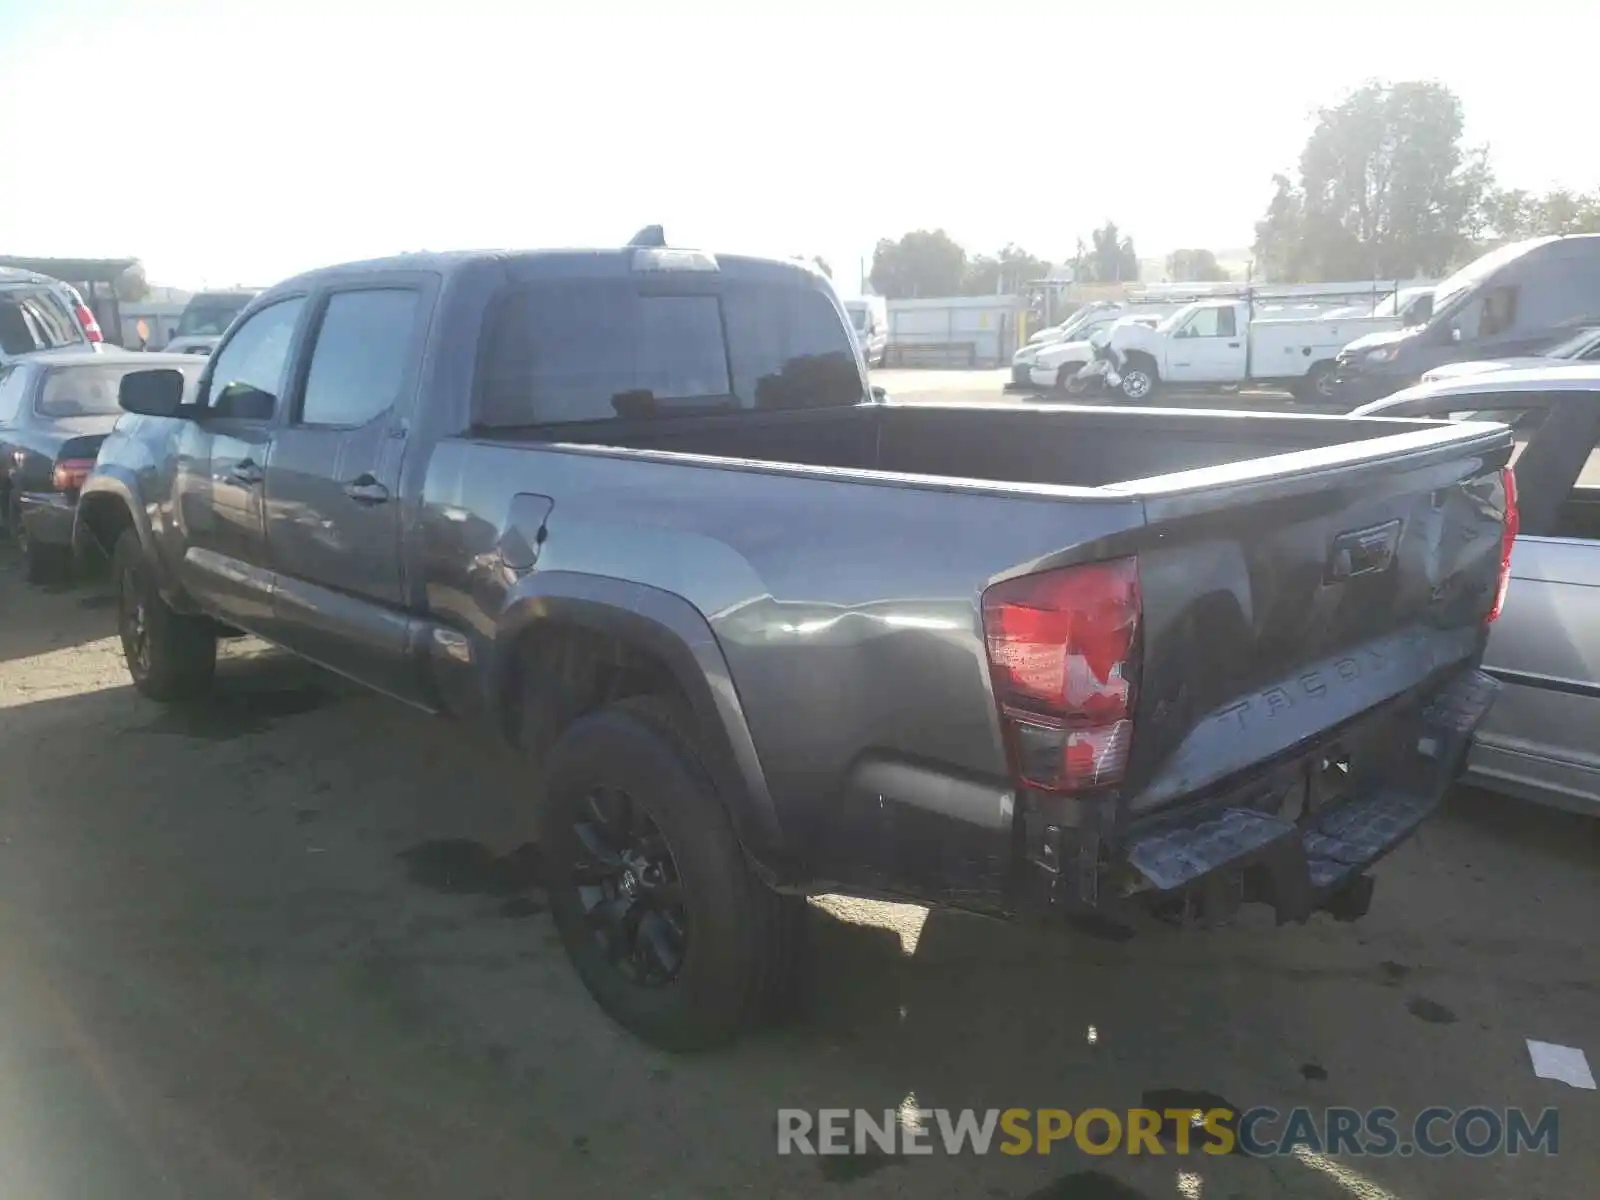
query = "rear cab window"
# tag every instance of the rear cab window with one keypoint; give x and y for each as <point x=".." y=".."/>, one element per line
<point x="562" y="352"/>
<point x="89" y="390"/>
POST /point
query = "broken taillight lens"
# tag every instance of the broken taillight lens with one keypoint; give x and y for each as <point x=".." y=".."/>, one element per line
<point x="1062" y="653"/>
<point x="1508" y="538"/>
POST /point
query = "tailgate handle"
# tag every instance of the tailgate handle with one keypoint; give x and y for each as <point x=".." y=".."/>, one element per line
<point x="1361" y="552"/>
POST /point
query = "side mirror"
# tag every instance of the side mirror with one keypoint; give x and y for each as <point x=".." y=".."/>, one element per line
<point x="879" y="393"/>
<point x="153" y="393"/>
<point x="244" y="403"/>
<point x="1455" y="333"/>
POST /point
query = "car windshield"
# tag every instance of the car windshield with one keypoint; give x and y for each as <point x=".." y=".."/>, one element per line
<point x="1178" y="318"/>
<point x="1575" y="345"/>
<point x="89" y="390"/>
<point x="209" y="319"/>
<point x="1477" y="270"/>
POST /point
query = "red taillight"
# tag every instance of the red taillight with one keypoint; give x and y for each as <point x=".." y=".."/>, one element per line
<point x="1062" y="648"/>
<point x="70" y="474"/>
<point x="1508" y="537"/>
<point x="91" y="327"/>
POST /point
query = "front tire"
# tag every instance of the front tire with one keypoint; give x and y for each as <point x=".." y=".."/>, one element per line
<point x="1138" y="382"/>
<point x="1317" y="387"/>
<point x="171" y="656"/>
<point x="667" y="927"/>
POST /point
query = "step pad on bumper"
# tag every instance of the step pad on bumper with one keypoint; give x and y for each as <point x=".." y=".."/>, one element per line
<point x="1335" y="843"/>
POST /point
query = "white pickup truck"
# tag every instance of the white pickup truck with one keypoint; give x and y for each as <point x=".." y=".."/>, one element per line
<point x="1217" y="342"/>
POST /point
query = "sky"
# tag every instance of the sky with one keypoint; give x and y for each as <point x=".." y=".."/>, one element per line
<point x="228" y="142"/>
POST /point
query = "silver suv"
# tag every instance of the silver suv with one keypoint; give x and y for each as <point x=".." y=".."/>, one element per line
<point x="38" y="313"/>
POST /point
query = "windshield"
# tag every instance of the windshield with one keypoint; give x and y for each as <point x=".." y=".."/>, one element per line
<point x="1575" y="345"/>
<point x="89" y="391"/>
<point x="210" y="318"/>
<point x="1477" y="270"/>
<point x="1177" y="318"/>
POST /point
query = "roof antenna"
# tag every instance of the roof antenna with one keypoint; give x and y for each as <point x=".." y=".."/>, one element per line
<point x="650" y="235"/>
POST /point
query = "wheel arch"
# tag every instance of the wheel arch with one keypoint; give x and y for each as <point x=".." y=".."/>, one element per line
<point x="596" y="639"/>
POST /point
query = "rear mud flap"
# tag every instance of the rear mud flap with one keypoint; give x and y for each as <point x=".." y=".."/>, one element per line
<point x="1300" y="866"/>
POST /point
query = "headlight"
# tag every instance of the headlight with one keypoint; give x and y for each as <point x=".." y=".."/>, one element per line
<point x="1025" y="356"/>
<point x="1382" y="354"/>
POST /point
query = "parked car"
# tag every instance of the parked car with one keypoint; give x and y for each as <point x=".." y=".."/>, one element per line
<point x="1057" y="364"/>
<point x="1515" y="301"/>
<point x="42" y="315"/>
<point x="55" y="410"/>
<point x="869" y="320"/>
<point x="1542" y="738"/>
<point x="1026" y="371"/>
<point x="1063" y="330"/>
<point x="1582" y="346"/>
<point x="204" y="319"/>
<point x="763" y="633"/>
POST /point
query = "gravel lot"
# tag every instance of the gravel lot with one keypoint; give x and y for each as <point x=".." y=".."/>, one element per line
<point x="285" y="945"/>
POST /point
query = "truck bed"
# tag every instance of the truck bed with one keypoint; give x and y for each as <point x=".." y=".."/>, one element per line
<point x="1064" y="445"/>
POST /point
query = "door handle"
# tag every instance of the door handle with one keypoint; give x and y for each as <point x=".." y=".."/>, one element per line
<point x="1233" y="345"/>
<point x="246" y="472"/>
<point x="364" y="489"/>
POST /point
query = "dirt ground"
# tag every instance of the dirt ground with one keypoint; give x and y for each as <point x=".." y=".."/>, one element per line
<point x="284" y="944"/>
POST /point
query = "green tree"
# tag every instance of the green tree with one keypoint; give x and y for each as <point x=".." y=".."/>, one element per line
<point x="1515" y="213"/>
<point x="131" y="286"/>
<point x="1385" y="190"/>
<point x="922" y="263"/>
<point x="1003" y="274"/>
<point x="1109" y="257"/>
<point x="1195" y="266"/>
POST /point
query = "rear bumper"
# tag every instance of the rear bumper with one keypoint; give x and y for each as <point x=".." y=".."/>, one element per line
<point x="1298" y="847"/>
<point x="47" y="517"/>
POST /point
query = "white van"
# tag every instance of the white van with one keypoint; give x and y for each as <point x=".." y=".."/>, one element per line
<point x="869" y="317"/>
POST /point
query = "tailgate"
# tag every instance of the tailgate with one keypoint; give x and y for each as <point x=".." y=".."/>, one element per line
<point x="1286" y="596"/>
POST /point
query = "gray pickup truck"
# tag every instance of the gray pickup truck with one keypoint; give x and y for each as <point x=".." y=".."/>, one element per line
<point x="763" y="632"/>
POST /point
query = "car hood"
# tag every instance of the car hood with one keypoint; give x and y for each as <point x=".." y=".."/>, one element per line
<point x="1482" y="366"/>
<point x="1059" y="352"/>
<point x="1384" y="337"/>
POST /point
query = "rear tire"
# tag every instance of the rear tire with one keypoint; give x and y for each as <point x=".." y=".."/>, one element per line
<point x="171" y="656"/>
<point x="650" y="890"/>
